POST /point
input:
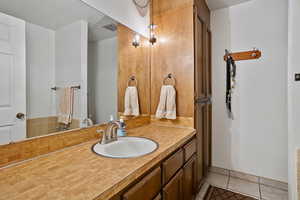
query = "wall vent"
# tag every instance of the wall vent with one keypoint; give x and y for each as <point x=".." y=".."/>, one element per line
<point x="111" y="27"/>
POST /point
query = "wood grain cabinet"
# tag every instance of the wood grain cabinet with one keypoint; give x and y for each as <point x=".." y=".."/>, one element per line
<point x="174" y="178"/>
<point x="187" y="55"/>
<point x="173" y="190"/>
<point x="147" y="188"/>
<point x="189" y="179"/>
<point x="183" y="185"/>
<point x="172" y="165"/>
<point x="190" y="149"/>
<point x="203" y="87"/>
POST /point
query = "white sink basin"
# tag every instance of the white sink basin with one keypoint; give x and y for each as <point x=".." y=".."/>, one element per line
<point x="126" y="147"/>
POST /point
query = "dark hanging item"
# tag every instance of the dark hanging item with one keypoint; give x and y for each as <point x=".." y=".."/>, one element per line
<point x="230" y="59"/>
<point x="230" y="82"/>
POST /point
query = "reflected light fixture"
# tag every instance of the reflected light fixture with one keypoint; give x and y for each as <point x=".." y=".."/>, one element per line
<point x="136" y="40"/>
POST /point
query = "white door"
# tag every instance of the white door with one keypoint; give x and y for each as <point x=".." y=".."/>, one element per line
<point x="12" y="79"/>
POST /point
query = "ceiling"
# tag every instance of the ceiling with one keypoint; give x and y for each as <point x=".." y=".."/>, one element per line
<point x="54" y="14"/>
<point x="218" y="4"/>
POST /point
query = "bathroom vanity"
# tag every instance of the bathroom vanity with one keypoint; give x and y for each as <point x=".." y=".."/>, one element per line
<point x="77" y="70"/>
<point x="174" y="178"/>
<point x="78" y="173"/>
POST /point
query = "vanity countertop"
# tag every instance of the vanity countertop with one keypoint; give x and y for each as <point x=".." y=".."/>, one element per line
<point x="77" y="173"/>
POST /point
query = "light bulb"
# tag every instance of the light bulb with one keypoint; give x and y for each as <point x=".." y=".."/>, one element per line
<point x="136" y="40"/>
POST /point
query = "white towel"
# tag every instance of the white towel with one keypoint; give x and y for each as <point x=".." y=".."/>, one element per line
<point x="167" y="103"/>
<point x="131" y="102"/>
<point x="66" y="103"/>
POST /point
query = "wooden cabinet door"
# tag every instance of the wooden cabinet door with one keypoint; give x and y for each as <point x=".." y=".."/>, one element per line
<point x="209" y="106"/>
<point x="200" y="82"/>
<point x="189" y="179"/>
<point x="147" y="188"/>
<point x="208" y="93"/>
<point x="199" y="93"/>
<point x="203" y="92"/>
<point x="199" y="126"/>
<point x="173" y="190"/>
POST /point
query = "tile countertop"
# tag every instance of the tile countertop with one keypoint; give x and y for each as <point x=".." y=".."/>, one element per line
<point x="77" y="173"/>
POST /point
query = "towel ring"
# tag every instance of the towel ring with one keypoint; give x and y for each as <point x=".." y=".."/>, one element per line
<point x="169" y="77"/>
<point x="132" y="78"/>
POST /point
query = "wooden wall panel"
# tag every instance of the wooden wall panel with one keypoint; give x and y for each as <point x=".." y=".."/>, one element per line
<point x="179" y="122"/>
<point x="133" y="61"/>
<point x="174" y="53"/>
<point x="19" y="151"/>
<point x="161" y="6"/>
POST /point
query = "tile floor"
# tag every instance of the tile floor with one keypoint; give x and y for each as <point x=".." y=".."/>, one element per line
<point x="242" y="186"/>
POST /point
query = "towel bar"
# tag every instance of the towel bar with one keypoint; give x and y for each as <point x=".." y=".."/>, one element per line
<point x="74" y="87"/>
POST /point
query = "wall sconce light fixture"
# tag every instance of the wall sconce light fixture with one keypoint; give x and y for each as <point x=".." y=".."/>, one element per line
<point x="136" y="40"/>
<point x="153" y="38"/>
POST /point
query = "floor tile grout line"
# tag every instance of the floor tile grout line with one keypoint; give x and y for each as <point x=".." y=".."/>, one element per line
<point x="228" y="179"/>
<point x="259" y="185"/>
<point x="274" y="187"/>
<point x="259" y="188"/>
<point x="259" y="194"/>
<point x="259" y="177"/>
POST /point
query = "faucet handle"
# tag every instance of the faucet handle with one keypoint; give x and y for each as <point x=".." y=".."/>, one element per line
<point x="104" y="138"/>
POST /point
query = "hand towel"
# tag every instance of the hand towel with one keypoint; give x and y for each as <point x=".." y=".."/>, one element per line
<point x="167" y="103"/>
<point x="131" y="102"/>
<point x="66" y="103"/>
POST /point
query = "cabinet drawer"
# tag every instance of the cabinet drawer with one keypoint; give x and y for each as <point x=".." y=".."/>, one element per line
<point x="189" y="149"/>
<point x="147" y="188"/>
<point x="172" y="165"/>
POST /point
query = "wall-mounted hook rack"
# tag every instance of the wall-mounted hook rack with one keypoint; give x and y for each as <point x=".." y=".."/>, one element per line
<point x="245" y="55"/>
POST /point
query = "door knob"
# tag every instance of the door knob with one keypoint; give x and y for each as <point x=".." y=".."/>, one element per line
<point x="20" y="116"/>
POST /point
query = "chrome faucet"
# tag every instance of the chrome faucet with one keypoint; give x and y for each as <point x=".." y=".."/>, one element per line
<point x="110" y="134"/>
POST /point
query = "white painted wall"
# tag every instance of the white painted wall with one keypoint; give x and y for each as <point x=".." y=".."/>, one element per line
<point x="218" y="4"/>
<point x="123" y="11"/>
<point x="293" y="94"/>
<point x="71" y="63"/>
<point x="103" y="72"/>
<point x="255" y="141"/>
<point x="40" y="60"/>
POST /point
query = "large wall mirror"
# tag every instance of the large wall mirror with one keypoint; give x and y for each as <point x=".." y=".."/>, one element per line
<point x="64" y="65"/>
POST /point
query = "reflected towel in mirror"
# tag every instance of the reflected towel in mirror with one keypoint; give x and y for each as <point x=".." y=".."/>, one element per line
<point x="66" y="103"/>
